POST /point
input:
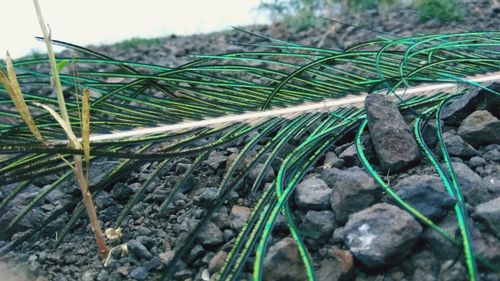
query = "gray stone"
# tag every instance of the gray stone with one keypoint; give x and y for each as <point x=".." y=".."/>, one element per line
<point x="480" y="128"/>
<point x="471" y="184"/>
<point x="337" y="266"/>
<point x="217" y="262"/>
<point x="452" y="271"/>
<point x="492" y="155"/>
<point x="211" y="236"/>
<point x="456" y="146"/>
<point x="392" y="139"/>
<point x="477" y="161"/>
<point x="222" y="220"/>
<point x="268" y="176"/>
<point x="460" y="108"/>
<point x="313" y="193"/>
<point x="167" y="257"/>
<point x="350" y="156"/>
<point x="240" y="214"/>
<point x="283" y="262"/>
<point x="353" y="190"/>
<point x="381" y="235"/>
<point x="139" y="273"/>
<point x="196" y="252"/>
<point x="489" y="212"/>
<point x="429" y="133"/>
<point x="206" y="197"/>
<point x="431" y="203"/>
<point x="183" y="274"/>
<point x="319" y="224"/>
<point x="430" y="180"/>
<point x="332" y="161"/>
<point x="216" y="159"/>
<point x="440" y="246"/>
<point x="138" y="250"/>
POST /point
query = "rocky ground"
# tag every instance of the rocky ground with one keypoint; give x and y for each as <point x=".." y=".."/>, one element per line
<point x="355" y="232"/>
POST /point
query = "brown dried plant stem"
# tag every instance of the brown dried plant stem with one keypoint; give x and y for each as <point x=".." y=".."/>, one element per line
<point x="73" y="142"/>
<point x="89" y="206"/>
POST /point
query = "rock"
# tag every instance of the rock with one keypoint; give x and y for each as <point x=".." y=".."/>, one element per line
<point x="313" y="194"/>
<point x="206" y="197"/>
<point x="456" y="146"/>
<point x="216" y="159"/>
<point x="121" y="191"/>
<point x="153" y="264"/>
<point x="493" y="183"/>
<point x="138" y="250"/>
<point x="269" y="174"/>
<point x="217" y="262"/>
<point x="392" y="139"/>
<point x="381" y="235"/>
<point x="103" y="200"/>
<point x="476" y="161"/>
<point x="183" y="274"/>
<point x="434" y="181"/>
<point x="452" y="271"/>
<point x="430" y="202"/>
<point x="441" y="247"/>
<point x="332" y="161"/>
<point x="167" y="257"/>
<point x="139" y="273"/>
<point x="353" y="190"/>
<point x="429" y="133"/>
<point x="283" y="262"/>
<point x="486" y="245"/>
<point x="492" y="155"/>
<point x="32" y="219"/>
<point x="240" y="214"/>
<point x="480" y="128"/>
<point x="319" y="224"/>
<point x="222" y="220"/>
<point x="350" y="156"/>
<point x="460" y="108"/>
<point x="211" y="236"/>
<point x="472" y="186"/>
<point x="196" y="252"/>
<point x="337" y="267"/>
<point x="489" y="212"/>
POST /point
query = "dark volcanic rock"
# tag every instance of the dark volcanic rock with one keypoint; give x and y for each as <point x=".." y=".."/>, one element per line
<point x="138" y="250"/>
<point x="319" y="224"/>
<point x="313" y="193"/>
<point x="471" y="184"/>
<point x="456" y="111"/>
<point x="337" y="266"/>
<point x="480" y="128"/>
<point x="434" y="181"/>
<point x="456" y="146"/>
<point x="240" y="214"/>
<point x="139" y="273"/>
<point x="353" y="190"/>
<point x="392" y="139"/>
<point x="283" y="262"/>
<point x="440" y="246"/>
<point x="381" y="235"/>
<point x="211" y="236"/>
<point x="430" y="202"/>
<point x="489" y="212"/>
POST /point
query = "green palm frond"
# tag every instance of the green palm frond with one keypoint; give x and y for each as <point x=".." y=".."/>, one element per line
<point x="283" y="91"/>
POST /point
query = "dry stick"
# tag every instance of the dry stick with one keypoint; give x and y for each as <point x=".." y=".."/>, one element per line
<point x="78" y="169"/>
<point x="308" y="107"/>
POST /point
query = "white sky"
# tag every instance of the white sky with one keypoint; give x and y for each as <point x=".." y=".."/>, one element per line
<point x="85" y="22"/>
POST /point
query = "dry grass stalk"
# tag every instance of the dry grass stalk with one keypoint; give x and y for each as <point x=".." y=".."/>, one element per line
<point x="73" y="141"/>
<point x="10" y="83"/>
